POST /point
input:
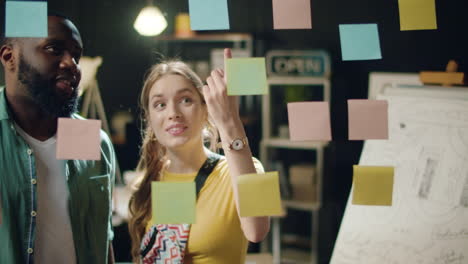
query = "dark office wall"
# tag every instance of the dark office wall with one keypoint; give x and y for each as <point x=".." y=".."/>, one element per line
<point x="107" y="29"/>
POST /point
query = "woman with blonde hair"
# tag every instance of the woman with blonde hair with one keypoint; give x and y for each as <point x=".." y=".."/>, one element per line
<point x="180" y="113"/>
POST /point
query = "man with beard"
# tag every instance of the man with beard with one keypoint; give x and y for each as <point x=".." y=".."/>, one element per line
<point x="54" y="211"/>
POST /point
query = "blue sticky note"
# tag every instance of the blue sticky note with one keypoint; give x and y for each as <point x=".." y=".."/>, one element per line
<point x="26" y="19"/>
<point x="360" y="42"/>
<point x="208" y="14"/>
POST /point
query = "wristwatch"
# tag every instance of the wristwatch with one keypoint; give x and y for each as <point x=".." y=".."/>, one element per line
<point x="236" y="144"/>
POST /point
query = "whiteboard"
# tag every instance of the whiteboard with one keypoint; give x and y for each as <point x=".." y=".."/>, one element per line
<point x="428" y="219"/>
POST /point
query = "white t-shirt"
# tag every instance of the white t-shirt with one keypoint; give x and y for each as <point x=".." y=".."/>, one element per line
<point x="54" y="238"/>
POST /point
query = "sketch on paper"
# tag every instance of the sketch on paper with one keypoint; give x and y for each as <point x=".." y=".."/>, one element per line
<point x="428" y="220"/>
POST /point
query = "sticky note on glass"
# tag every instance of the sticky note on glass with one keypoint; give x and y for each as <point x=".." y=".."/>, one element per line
<point x="372" y="185"/>
<point x="246" y="76"/>
<point x="173" y="202"/>
<point x="367" y="119"/>
<point x="26" y="19"/>
<point x="259" y="194"/>
<point x="78" y="139"/>
<point x="291" y="14"/>
<point x="209" y="14"/>
<point x="309" y="121"/>
<point x="417" y="14"/>
<point x="360" y="42"/>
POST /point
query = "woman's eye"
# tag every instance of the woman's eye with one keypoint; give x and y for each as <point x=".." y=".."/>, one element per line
<point x="187" y="100"/>
<point x="159" y="105"/>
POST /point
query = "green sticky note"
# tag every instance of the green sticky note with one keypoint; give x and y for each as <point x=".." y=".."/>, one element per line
<point x="360" y="42"/>
<point x="246" y="76"/>
<point x="259" y="194"/>
<point x="417" y="14"/>
<point x="372" y="185"/>
<point x="26" y="19"/>
<point x="173" y="202"/>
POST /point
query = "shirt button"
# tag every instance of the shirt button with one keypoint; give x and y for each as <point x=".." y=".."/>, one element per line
<point x="30" y="250"/>
<point x="33" y="181"/>
<point x="33" y="213"/>
<point x="30" y="151"/>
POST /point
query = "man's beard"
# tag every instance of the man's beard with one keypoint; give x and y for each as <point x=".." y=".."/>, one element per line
<point x="43" y="93"/>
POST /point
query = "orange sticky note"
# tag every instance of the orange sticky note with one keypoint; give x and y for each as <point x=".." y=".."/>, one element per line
<point x="78" y="139"/>
<point x="372" y="185"/>
<point x="367" y="119"/>
<point x="259" y="194"/>
<point x="291" y="14"/>
<point x="417" y="14"/>
<point x="309" y="121"/>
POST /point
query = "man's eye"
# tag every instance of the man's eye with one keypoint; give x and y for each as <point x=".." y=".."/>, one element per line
<point x="54" y="49"/>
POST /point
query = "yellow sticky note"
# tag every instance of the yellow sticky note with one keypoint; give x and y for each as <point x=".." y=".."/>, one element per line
<point x="372" y="185"/>
<point x="417" y="14"/>
<point x="259" y="194"/>
<point x="173" y="202"/>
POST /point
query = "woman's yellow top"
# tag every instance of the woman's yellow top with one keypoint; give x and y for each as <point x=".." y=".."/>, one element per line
<point x="216" y="237"/>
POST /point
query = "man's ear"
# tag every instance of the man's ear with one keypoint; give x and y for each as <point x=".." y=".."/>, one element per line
<point x="7" y="57"/>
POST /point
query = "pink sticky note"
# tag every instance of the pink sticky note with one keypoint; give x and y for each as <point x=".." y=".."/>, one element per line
<point x="291" y="14"/>
<point x="368" y="119"/>
<point x="309" y="121"/>
<point x="78" y="139"/>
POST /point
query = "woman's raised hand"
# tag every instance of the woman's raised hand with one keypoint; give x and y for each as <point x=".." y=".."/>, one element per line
<point x="222" y="108"/>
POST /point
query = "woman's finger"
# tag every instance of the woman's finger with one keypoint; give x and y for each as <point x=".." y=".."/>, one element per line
<point x="211" y="84"/>
<point x="218" y="80"/>
<point x="227" y="55"/>
<point x="221" y="72"/>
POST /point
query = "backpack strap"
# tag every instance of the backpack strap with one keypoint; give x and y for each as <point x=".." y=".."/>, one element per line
<point x="205" y="171"/>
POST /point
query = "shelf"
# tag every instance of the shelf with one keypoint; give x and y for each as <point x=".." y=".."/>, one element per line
<point x="286" y="143"/>
<point x="296" y="241"/>
<point x="225" y="37"/>
<point x="299" y="205"/>
<point x="277" y="80"/>
<point x="291" y="255"/>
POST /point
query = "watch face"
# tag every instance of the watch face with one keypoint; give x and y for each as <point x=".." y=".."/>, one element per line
<point x="237" y="144"/>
